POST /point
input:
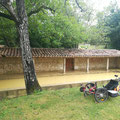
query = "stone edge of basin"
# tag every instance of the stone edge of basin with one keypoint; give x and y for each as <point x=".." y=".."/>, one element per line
<point x="16" y="92"/>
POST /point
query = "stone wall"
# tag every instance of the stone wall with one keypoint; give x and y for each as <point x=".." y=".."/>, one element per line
<point x="48" y="64"/>
<point x="113" y="63"/>
<point x="10" y="65"/>
<point x="14" y="65"/>
<point x="98" y="63"/>
<point x="80" y="64"/>
<point x="118" y="63"/>
<point x="94" y="64"/>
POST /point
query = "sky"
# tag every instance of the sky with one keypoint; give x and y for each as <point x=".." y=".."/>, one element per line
<point x="99" y="5"/>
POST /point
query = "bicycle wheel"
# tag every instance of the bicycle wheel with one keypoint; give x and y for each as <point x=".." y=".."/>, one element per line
<point x="101" y="95"/>
<point x="88" y="86"/>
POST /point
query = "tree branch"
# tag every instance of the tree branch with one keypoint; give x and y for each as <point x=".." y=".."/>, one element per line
<point x="66" y="8"/>
<point x="65" y="3"/>
<point x="79" y="5"/>
<point x="8" y="5"/>
<point x="6" y="16"/>
<point x="39" y="9"/>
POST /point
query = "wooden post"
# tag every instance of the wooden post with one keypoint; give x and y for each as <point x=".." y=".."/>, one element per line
<point x="88" y="65"/>
<point x="34" y="61"/>
<point x="107" y="67"/>
<point x="64" y="65"/>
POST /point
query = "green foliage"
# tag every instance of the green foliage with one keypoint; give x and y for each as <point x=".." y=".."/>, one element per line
<point x="55" y="24"/>
<point x="97" y="35"/>
<point x="55" y="31"/>
<point x="8" y="35"/>
<point x="107" y="29"/>
<point x="58" y="25"/>
<point x="47" y="29"/>
<point x="113" y="22"/>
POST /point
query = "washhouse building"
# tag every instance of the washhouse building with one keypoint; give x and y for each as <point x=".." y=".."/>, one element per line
<point x="61" y="60"/>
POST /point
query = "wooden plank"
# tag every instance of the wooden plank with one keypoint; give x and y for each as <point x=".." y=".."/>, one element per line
<point x="64" y="65"/>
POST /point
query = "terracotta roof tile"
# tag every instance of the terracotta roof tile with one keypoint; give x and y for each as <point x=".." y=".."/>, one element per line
<point x="57" y="52"/>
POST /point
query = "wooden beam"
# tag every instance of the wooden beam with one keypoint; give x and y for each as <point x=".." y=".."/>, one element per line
<point x="88" y="64"/>
<point x="64" y="65"/>
<point x="107" y="67"/>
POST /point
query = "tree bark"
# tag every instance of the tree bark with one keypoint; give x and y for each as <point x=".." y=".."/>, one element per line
<point x="31" y="81"/>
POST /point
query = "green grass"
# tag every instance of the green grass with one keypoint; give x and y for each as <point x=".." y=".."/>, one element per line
<point x="64" y="104"/>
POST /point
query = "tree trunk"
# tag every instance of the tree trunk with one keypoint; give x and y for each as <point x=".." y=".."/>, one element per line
<point x="28" y="65"/>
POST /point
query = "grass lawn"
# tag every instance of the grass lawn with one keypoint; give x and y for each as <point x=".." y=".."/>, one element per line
<point x="64" y="104"/>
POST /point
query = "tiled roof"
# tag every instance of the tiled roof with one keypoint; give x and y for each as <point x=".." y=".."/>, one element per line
<point x="57" y="52"/>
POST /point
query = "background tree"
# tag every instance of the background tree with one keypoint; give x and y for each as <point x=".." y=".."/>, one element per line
<point x="108" y="26"/>
<point x="112" y="21"/>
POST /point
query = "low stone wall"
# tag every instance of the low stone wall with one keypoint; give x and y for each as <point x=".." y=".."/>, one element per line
<point x="12" y="93"/>
<point x="22" y="91"/>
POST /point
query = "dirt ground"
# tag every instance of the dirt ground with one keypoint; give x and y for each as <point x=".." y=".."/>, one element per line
<point x="53" y="78"/>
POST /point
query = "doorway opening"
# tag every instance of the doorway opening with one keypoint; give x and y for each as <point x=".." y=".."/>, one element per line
<point x="69" y="64"/>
